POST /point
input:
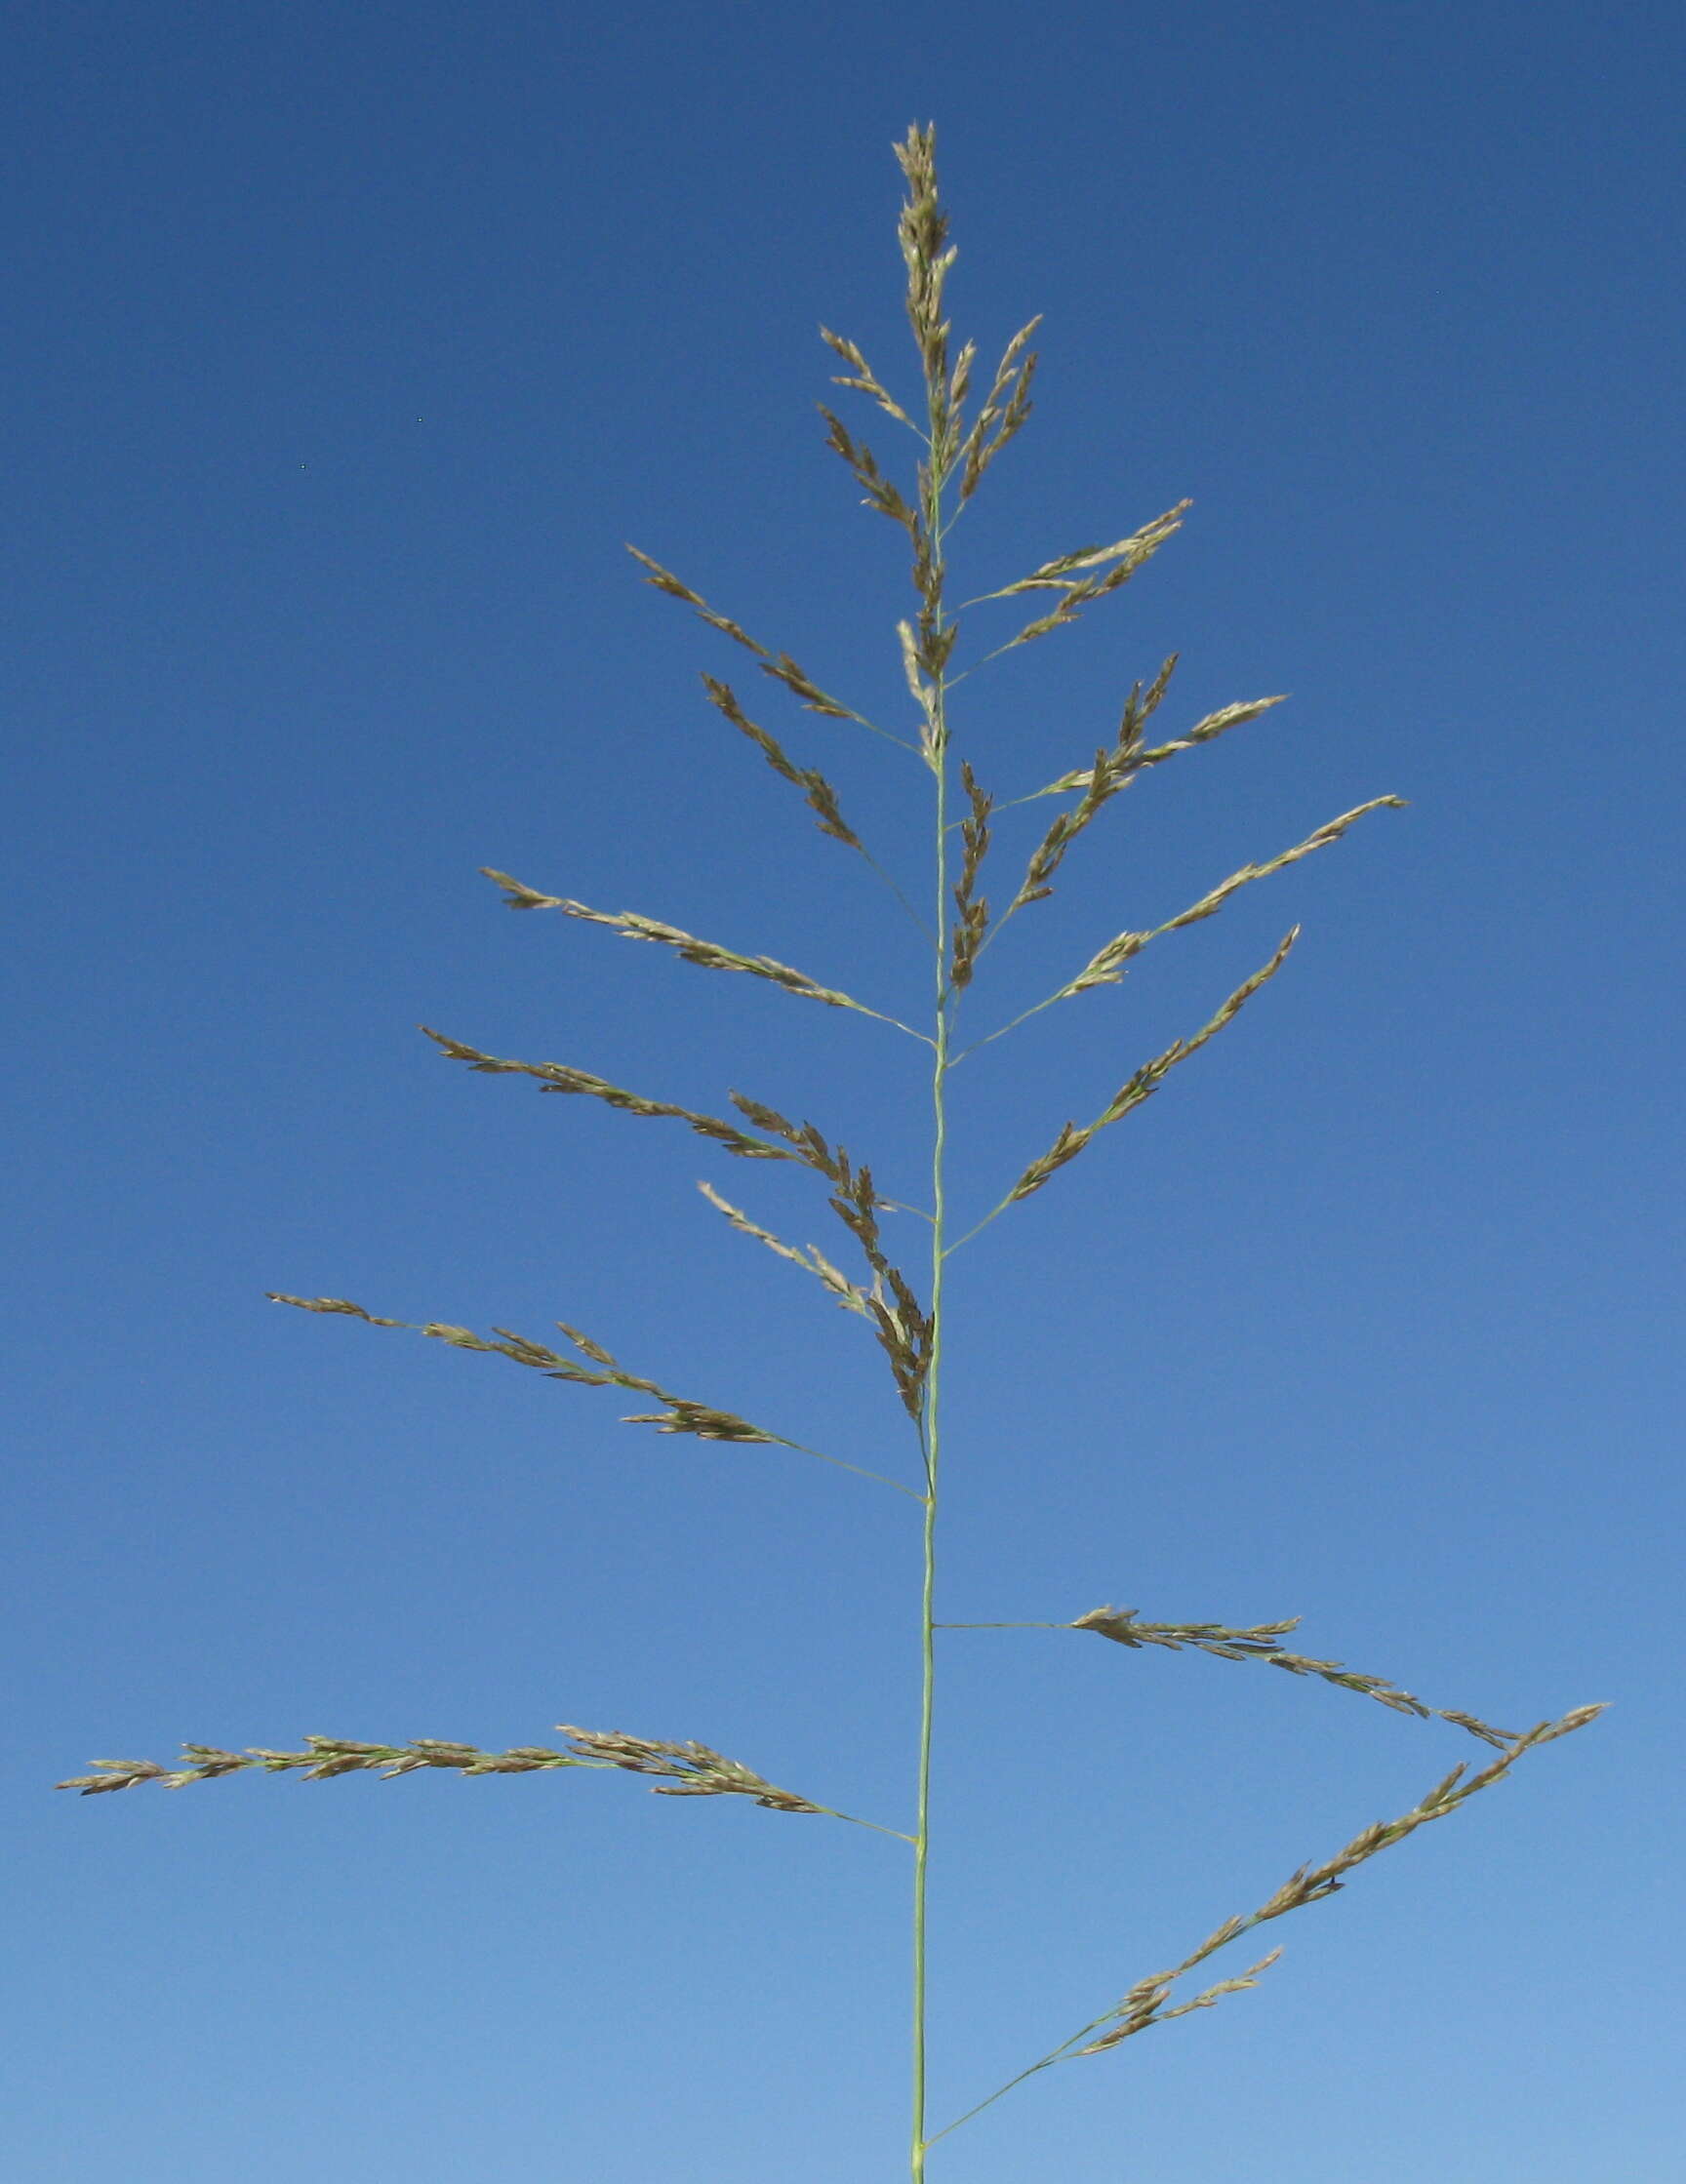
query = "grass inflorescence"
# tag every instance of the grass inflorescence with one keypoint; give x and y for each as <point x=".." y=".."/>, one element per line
<point x="957" y="439"/>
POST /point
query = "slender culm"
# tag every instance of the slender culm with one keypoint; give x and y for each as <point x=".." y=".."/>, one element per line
<point x="932" y="1427"/>
<point x="959" y="440"/>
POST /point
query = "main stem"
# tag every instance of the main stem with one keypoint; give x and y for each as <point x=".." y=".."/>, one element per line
<point x="932" y="1432"/>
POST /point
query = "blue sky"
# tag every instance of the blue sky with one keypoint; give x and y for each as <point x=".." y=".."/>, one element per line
<point x="349" y="347"/>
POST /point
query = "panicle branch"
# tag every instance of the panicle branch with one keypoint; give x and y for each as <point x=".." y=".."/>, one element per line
<point x="778" y="665"/>
<point x="1311" y="1884"/>
<point x="924" y="232"/>
<point x="1109" y="965"/>
<point x="688" y="1769"/>
<point x="863" y="377"/>
<point x="1264" y="1641"/>
<point x="1081" y="577"/>
<point x="678" y="1414"/>
<point x="689" y="949"/>
<point x="1204" y="730"/>
<point x="1146" y="1081"/>
<point x="557" y="1077"/>
<point x="1112" y="772"/>
<point x="1005" y="410"/>
<point x="1144" y="2003"/>
<point x="904" y="1329"/>
<point x="882" y="493"/>
<point x="323" y="1758"/>
<point x="848" y="1296"/>
<point x="821" y="796"/>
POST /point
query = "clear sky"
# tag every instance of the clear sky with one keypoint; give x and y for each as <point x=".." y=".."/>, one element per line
<point x="348" y="345"/>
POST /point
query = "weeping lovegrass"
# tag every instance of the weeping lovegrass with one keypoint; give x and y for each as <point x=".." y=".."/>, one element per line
<point x="959" y="440"/>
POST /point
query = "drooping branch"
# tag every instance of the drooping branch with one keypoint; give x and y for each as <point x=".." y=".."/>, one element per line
<point x="678" y="1414"/>
<point x="708" y="954"/>
<point x="558" y="1077"/>
<point x="1262" y="1641"/>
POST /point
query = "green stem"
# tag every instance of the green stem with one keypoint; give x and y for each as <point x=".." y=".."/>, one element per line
<point x="931" y="1424"/>
<point x="931" y="1437"/>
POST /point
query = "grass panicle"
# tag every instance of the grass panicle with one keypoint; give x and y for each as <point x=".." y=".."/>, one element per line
<point x="956" y="446"/>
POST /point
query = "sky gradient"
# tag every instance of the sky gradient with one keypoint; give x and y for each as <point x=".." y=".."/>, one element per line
<point x="349" y="347"/>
